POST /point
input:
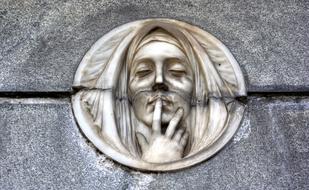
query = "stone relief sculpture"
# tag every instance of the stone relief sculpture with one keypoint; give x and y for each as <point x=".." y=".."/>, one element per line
<point x="158" y="94"/>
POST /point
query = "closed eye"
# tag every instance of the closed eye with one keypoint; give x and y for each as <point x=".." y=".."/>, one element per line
<point x="177" y="73"/>
<point x="143" y="73"/>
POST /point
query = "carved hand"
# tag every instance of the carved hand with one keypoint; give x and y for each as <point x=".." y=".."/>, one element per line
<point x="163" y="147"/>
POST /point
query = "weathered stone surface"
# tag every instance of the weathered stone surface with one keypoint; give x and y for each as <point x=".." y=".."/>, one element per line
<point x="42" y="42"/>
<point x="41" y="147"/>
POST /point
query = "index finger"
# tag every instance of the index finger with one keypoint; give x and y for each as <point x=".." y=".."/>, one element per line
<point x="173" y="123"/>
<point x="156" y="121"/>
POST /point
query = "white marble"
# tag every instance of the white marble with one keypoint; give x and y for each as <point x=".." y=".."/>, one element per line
<point x="158" y="94"/>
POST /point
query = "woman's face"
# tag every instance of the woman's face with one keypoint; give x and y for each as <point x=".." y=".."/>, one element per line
<point x="160" y="70"/>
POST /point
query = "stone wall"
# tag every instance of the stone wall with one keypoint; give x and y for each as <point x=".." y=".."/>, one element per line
<point x="42" y="43"/>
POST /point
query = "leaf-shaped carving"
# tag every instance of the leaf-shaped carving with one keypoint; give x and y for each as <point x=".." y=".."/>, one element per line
<point x="99" y="60"/>
<point x="221" y="62"/>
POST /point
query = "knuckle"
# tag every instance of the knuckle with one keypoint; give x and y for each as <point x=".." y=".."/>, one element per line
<point x="172" y="123"/>
<point x="179" y="113"/>
<point x="180" y="131"/>
<point x="156" y="119"/>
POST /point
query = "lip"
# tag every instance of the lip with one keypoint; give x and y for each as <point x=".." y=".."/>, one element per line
<point x="166" y="102"/>
<point x="165" y="99"/>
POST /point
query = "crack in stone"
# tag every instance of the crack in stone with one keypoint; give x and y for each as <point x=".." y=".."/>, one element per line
<point x="68" y="94"/>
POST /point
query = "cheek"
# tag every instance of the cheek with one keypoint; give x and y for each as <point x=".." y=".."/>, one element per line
<point x="181" y="102"/>
<point x="182" y="85"/>
<point x="186" y="86"/>
<point x="139" y="102"/>
<point x="141" y="110"/>
<point x="137" y="84"/>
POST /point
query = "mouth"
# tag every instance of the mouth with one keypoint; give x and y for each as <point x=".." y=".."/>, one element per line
<point x="166" y="100"/>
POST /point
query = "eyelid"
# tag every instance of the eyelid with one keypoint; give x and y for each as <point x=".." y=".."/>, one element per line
<point x="143" y="68"/>
<point x="143" y="71"/>
<point x="143" y="63"/>
<point x="177" y="67"/>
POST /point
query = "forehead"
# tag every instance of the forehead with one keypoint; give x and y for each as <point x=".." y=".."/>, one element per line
<point x="159" y="50"/>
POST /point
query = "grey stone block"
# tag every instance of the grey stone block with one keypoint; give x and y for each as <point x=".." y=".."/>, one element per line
<point x="42" y="42"/>
<point x="41" y="147"/>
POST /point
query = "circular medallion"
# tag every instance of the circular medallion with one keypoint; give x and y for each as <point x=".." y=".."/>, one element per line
<point x="158" y="95"/>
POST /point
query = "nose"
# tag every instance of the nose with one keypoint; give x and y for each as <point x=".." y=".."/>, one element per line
<point x="159" y="76"/>
<point x="159" y="72"/>
<point x="159" y="83"/>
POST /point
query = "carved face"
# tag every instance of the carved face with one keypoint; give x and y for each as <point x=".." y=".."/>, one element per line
<point x="160" y="70"/>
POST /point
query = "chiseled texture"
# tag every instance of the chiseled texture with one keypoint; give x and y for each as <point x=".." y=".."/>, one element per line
<point x="42" y="42"/>
<point x="41" y="147"/>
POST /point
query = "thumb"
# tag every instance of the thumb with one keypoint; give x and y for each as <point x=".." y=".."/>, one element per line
<point x="142" y="141"/>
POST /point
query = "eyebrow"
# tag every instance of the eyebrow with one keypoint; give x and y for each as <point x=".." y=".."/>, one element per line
<point x="142" y="60"/>
<point x="177" y="59"/>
